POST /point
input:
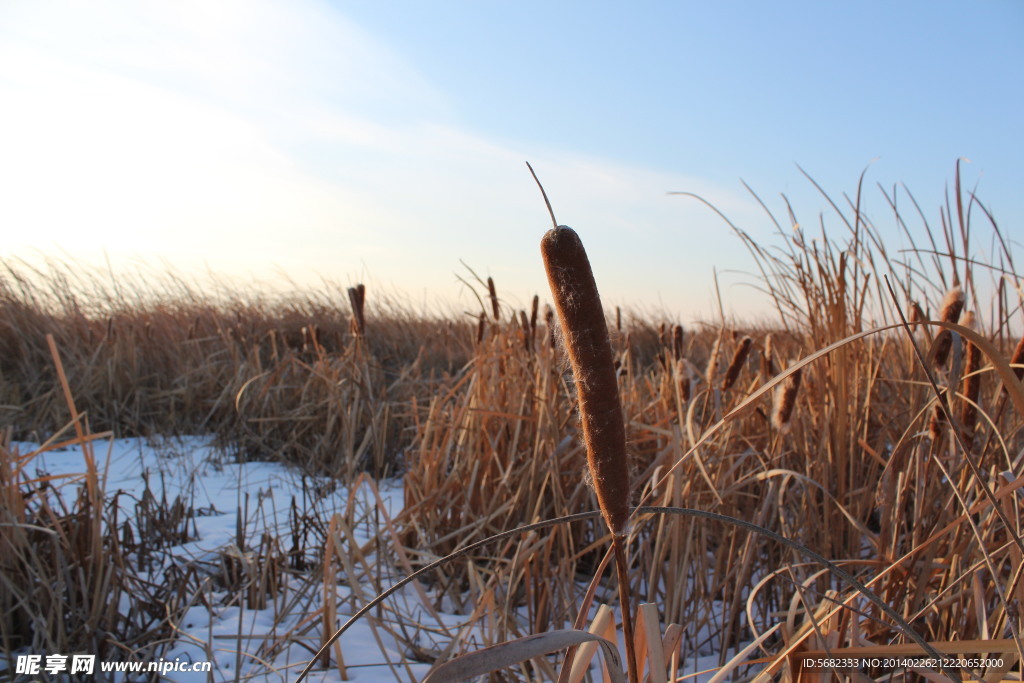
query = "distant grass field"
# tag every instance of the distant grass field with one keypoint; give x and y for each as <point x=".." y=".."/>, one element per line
<point x="911" y="487"/>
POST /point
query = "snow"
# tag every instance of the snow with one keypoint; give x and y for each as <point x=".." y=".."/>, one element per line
<point x="217" y="629"/>
<point x="219" y="491"/>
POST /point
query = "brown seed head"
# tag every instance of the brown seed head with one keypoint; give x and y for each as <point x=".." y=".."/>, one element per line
<point x="767" y="364"/>
<point x="916" y="314"/>
<point x="971" y="382"/>
<point x="1018" y="358"/>
<point x="357" y="298"/>
<point x="935" y="424"/>
<point x="683" y="380"/>
<point x="712" y="368"/>
<point x="677" y="342"/>
<point x="525" y="324"/>
<point x="494" y="299"/>
<point x="480" y="328"/>
<point x="590" y="353"/>
<point x="738" y="359"/>
<point x="785" y="400"/>
<point x="952" y="304"/>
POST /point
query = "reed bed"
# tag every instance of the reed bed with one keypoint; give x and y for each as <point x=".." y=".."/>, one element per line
<point x="897" y="454"/>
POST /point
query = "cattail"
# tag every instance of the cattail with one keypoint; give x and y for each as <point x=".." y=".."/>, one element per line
<point x="938" y="419"/>
<point x="683" y="380"/>
<point x="952" y="304"/>
<point x="618" y="319"/>
<point x="480" y="328"/>
<point x="709" y="373"/>
<point x="494" y="299"/>
<point x="590" y="353"/>
<point x="525" y="324"/>
<point x="1018" y="358"/>
<point x="357" y="299"/>
<point x="767" y="363"/>
<point x="971" y="382"/>
<point x="533" y="315"/>
<point x="916" y="314"/>
<point x="677" y="342"/>
<point x="785" y="400"/>
<point x="738" y="359"/>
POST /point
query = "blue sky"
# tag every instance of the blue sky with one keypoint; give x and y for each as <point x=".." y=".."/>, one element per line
<point x="384" y="141"/>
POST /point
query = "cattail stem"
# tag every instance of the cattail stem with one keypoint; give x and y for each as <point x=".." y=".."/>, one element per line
<point x="622" y="572"/>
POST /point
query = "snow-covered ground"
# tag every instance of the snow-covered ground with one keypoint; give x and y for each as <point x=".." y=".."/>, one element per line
<point x="219" y="491"/>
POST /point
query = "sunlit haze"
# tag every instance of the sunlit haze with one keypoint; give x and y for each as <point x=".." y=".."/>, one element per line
<point x="385" y="142"/>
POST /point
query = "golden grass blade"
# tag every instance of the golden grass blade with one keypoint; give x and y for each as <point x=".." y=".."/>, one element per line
<point x="603" y="625"/>
<point x="740" y="657"/>
<point x="504" y="655"/>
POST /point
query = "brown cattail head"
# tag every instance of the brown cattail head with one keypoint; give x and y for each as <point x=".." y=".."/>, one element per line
<point x="533" y="315"/>
<point x="549" y="320"/>
<point x="357" y="299"/>
<point x="767" y="363"/>
<point x="971" y="382"/>
<point x="618" y="319"/>
<point x="590" y="353"/>
<point x="683" y="380"/>
<point x="937" y="420"/>
<point x="677" y="342"/>
<point x="480" y="328"/>
<point x="785" y="400"/>
<point x="712" y="368"/>
<point x="494" y="299"/>
<point x="738" y="359"/>
<point x="916" y="314"/>
<point x="525" y="324"/>
<point x="952" y="304"/>
<point x="1018" y="358"/>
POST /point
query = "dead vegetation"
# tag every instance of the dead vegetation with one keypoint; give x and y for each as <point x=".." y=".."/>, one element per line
<point x="901" y="465"/>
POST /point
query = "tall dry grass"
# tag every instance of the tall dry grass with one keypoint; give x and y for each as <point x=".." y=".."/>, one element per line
<point x="838" y="452"/>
